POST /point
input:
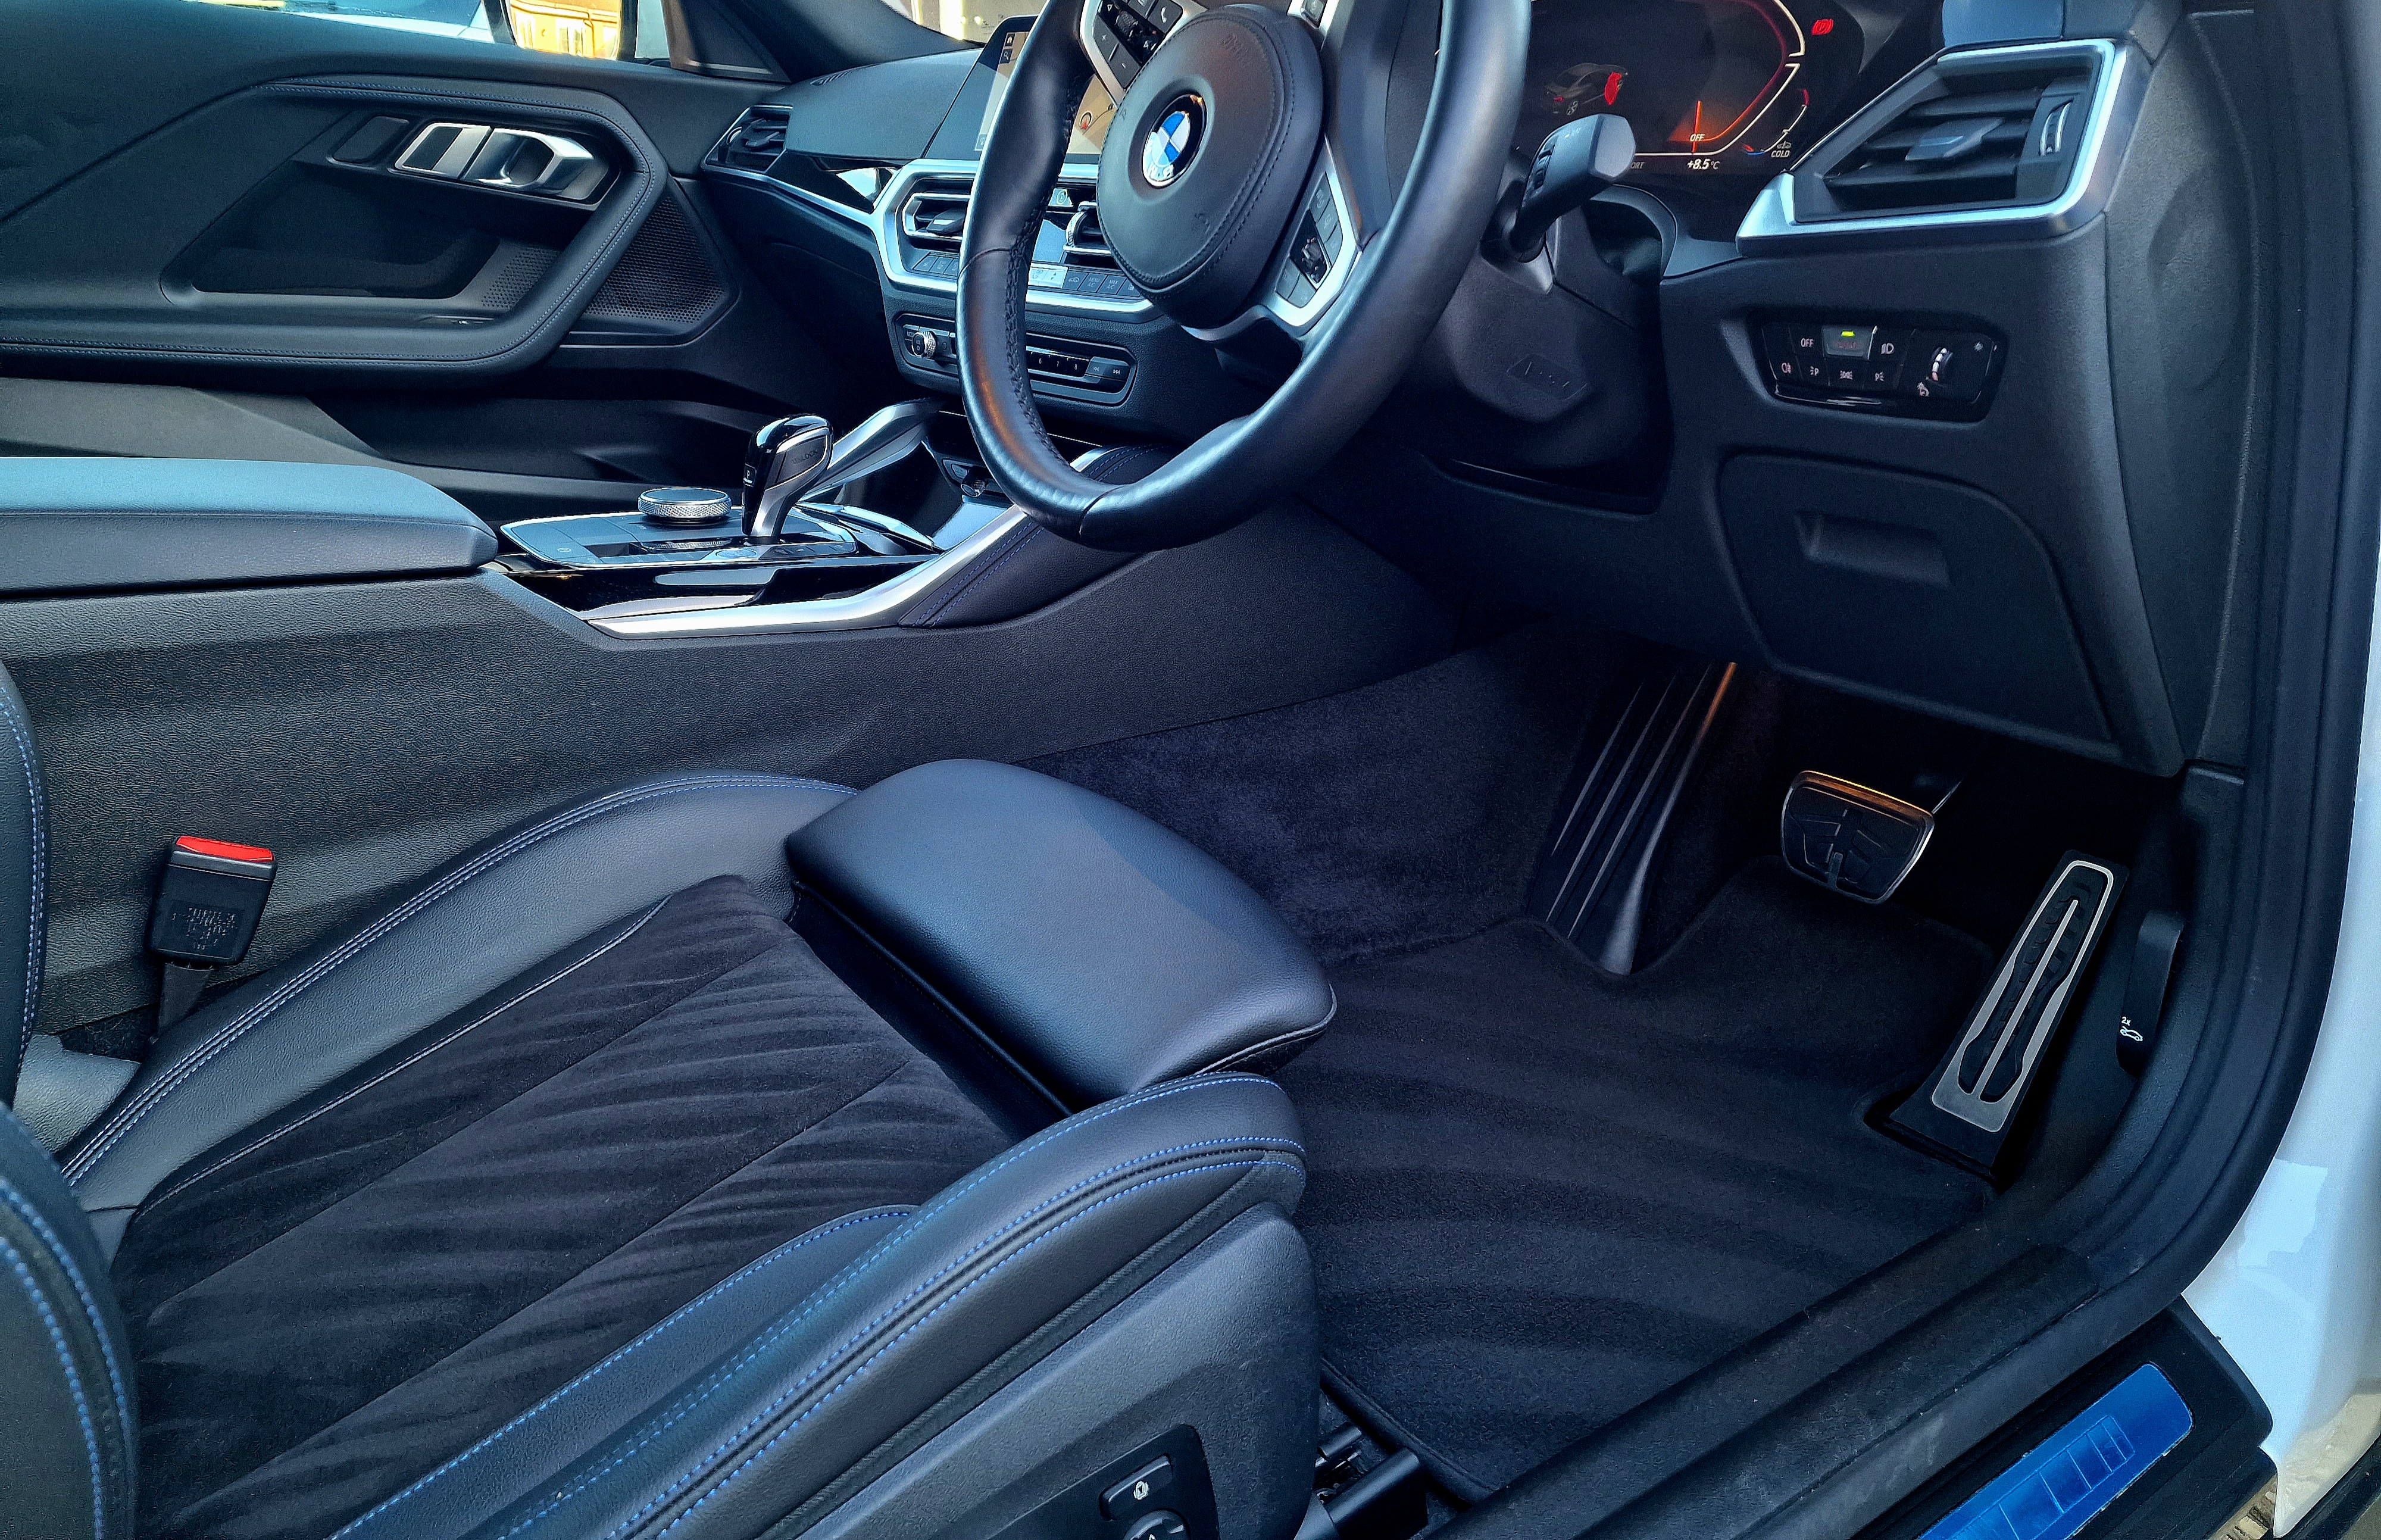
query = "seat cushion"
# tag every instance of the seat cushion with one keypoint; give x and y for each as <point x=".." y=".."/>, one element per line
<point x="330" y="1304"/>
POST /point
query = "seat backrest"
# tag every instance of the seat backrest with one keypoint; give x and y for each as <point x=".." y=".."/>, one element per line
<point x="65" y="1365"/>
<point x="23" y="852"/>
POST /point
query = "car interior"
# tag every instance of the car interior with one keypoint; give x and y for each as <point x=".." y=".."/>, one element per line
<point x="1301" y="768"/>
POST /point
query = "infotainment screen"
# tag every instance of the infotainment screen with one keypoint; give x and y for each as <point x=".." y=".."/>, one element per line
<point x="1091" y="116"/>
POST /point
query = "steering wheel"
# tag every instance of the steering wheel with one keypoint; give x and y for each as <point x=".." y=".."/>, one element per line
<point x="1204" y="175"/>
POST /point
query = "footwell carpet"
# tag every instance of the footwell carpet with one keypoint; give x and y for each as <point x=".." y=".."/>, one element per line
<point x="1540" y="1195"/>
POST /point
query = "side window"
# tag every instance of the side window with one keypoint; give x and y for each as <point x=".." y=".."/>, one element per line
<point x="588" y="29"/>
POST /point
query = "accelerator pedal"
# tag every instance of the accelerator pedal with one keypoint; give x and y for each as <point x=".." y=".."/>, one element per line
<point x="1968" y="1107"/>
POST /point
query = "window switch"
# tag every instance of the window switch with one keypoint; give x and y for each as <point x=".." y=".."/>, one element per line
<point x="1144" y="1490"/>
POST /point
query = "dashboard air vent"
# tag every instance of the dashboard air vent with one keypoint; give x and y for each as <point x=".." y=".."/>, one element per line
<point x="755" y="142"/>
<point x="934" y="216"/>
<point x="1087" y="244"/>
<point x="1969" y="140"/>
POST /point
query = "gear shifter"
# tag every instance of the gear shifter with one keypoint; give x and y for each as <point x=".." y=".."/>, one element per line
<point x="787" y="460"/>
<point x="1576" y="161"/>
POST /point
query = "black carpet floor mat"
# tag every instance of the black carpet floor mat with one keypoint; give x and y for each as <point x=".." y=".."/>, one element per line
<point x="1542" y="1193"/>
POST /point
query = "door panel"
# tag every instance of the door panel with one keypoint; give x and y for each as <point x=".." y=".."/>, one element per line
<point x="276" y="292"/>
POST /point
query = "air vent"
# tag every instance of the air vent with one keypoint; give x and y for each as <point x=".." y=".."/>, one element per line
<point x="1087" y="244"/>
<point x="934" y="216"/>
<point x="2004" y="139"/>
<point x="756" y="141"/>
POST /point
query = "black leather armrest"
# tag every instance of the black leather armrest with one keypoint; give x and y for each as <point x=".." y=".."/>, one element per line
<point x="97" y="525"/>
<point x="1096" y="951"/>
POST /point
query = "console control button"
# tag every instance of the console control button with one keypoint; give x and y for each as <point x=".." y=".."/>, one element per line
<point x="1875" y="366"/>
<point x="1841" y="341"/>
<point x="1810" y="357"/>
<point x="1886" y="360"/>
<point x="1948" y="365"/>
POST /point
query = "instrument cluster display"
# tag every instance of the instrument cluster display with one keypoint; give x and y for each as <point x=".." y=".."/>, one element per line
<point x="1710" y="87"/>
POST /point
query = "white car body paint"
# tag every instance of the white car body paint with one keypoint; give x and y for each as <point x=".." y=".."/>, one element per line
<point x="2295" y="1292"/>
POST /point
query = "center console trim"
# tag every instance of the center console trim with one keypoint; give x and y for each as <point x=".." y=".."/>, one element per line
<point x="881" y="606"/>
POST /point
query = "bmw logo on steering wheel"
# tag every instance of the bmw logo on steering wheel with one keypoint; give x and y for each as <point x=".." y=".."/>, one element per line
<point x="1166" y="153"/>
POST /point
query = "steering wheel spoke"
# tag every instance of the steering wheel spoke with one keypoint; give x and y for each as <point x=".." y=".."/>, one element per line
<point x="1318" y="261"/>
<point x="1119" y="36"/>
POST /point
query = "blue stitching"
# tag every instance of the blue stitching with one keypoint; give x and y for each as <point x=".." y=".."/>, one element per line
<point x="32" y="1216"/>
<point x="74" y="1382"/>
<point x="716" y="1291"/>
<point x="687" y="1405"/>
<point x="457" y="1035"/>
<point x="824" y="1295"/>
<point x="957" y="1294"/>
<point x="21" y="732"/>
<point x="1084" y="1120"/>
<point x="827" y="1293"/>
<point x="147" y="1102"/>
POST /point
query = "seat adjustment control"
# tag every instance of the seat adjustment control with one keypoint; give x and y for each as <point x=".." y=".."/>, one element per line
<point x="1145" y="1488"/>
<point x="1872" y="366"/>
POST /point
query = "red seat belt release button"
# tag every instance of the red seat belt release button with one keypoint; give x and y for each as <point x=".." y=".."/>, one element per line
<point x="209" y="899"/>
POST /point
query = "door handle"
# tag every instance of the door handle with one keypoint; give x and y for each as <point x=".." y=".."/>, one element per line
<point x="522" y="160"/>
<point x="512" y="160"/>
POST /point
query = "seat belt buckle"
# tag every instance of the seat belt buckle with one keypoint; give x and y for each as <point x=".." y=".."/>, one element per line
<point x="209" y="900"/>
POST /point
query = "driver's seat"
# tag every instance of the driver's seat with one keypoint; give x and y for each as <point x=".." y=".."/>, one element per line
<point x="581" y="1193"/>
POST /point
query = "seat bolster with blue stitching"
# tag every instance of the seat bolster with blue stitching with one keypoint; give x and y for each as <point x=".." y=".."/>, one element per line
<point x="484" y="918"/>
<point x="960" y="1298"/>
<point x="65" y="1360"/>
<point x="23" y="856"/>
<point x="614" y="1394"/>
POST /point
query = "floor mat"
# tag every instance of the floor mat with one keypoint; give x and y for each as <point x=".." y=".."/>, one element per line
<point x="1407" y="812"/>
<point x="1540" y="1193"/>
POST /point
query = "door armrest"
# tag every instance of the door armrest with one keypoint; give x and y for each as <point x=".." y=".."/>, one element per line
<point x="100" y="525"/>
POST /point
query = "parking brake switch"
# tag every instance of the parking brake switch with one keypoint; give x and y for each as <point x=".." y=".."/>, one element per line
<point x="209" y="900"/>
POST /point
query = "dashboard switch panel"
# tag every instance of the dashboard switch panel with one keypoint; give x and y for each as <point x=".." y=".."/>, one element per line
<point x="1092" y="368"/>
<point x="1861" y="364"/>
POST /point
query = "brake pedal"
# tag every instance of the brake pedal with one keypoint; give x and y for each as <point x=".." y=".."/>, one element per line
<point x="1851" y="839"/>
<point x="1969" y="1104"/>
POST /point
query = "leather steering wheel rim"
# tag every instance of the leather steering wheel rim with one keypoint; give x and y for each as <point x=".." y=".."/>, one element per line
<point x="1400" y="285"/>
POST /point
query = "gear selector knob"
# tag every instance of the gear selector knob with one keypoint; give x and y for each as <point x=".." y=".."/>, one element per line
<point x="786" y="460"/>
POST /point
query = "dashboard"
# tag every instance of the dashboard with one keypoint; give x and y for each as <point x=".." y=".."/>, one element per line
<point x="1711" y="87"/>
<point x="1769" y="398"/>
